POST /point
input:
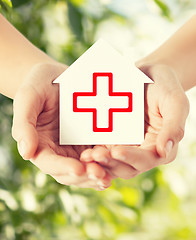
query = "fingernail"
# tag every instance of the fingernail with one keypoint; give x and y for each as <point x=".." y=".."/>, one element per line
<point x="169" y="147"/>
<point x="92" y="176"/>
<point x="22" y="148"/>
<point x="100" y="184"/>
<point x="102" y="188"/>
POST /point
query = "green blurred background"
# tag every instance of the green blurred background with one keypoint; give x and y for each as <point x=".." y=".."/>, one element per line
<point x="157" y="205"/>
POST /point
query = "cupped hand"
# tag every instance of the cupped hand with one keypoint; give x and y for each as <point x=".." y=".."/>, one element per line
<point x="166" y="110"/>
<point x="36" y="130"/>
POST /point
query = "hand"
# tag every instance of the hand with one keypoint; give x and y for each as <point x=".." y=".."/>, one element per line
<point x="36" y="130"/>
<point x="166" y="110"/>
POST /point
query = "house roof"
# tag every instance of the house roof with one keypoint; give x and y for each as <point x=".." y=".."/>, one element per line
<point x="102" y="57"/>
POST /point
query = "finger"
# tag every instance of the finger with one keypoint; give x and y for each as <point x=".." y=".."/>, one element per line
<point x="116" y="168"/>
<point x="94" y="185"/>
<point x="119" y="169"/>
<point x="86" y="155"/>
<point x="174" y="118"/>
<point x="99" y="185"/>
<point x="80" y="148"/>
<point x="95" y="171"/>
<point x="27" y="106"/>
<point x="80" y="181"/>
<point x="84" y="182"/>
<point x="68" y="181"/>
<point x="105" y="182"/>
<point x="91" y="184"/>
<point x="51" y="163"/>
<point x="124" y="171"/>
<point x="140" y="159"/>
<point x="101" y="154"/>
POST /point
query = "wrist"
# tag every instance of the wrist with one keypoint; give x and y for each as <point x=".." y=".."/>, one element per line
<point x="49" y="70"/>
<point x="39" y="79"/>
<point x="45" y="71"/>
<point x="150" y="66"/>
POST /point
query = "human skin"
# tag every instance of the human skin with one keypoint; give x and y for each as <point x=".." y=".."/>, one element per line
<point x="17" y="56"/>
<point x="178" y="53"/>
<point x="164" y="127"/>
<point x="26" y="75"/>
<point x="172" y="67"/>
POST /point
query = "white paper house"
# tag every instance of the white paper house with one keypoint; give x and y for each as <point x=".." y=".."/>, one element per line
<point x="102" y="99"/>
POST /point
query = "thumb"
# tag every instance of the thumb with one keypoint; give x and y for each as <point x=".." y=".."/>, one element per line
<point x="26" y="109"/>
<point x="175" y="111"/>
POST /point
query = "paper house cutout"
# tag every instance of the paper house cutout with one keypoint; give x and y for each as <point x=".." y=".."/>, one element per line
<point x="102" y="99"/>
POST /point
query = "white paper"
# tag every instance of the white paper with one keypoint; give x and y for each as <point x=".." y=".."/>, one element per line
<point x="77" y="128"/>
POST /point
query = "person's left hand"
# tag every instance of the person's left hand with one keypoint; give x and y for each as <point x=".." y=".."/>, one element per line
<point x="166" y="110"/>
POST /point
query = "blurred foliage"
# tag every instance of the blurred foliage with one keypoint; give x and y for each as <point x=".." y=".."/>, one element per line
<point x="164" y="8"/>
<point x="33" y="205"/>
<point x="5" y="3"/>
<point x="5" y="6"/>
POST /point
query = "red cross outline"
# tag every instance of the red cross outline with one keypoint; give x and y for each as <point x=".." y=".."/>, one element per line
<point x="94" y="93"/>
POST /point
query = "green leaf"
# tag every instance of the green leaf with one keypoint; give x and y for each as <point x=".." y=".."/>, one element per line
<point x="6" y="3"/>
<point x="77" y="2"/>
<point x="5" y="7"/>
<point x="164" y="9"/>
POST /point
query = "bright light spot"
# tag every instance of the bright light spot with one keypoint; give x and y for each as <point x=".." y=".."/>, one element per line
<point x="67" y="201"/>
<point x="40" y="179"/>
<point x="9" y="199"/>
<point x="147" y="185"/>
<point x="105" y="2"/>
<point x="176" y="182"/>
<point x="81" y="204"/>
<point x="128" y="213"/>
<point x="56" y="30"/>
<point x="93" y="230"/>
<point x="9" y="232"/>
<point x="4" y="159"/>
<point x="28" y="200"/>
<point x="119" y="35"/>
<point x="153" y="7"/>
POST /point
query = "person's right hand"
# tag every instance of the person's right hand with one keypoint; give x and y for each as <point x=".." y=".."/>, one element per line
<point x="36" y="130"/>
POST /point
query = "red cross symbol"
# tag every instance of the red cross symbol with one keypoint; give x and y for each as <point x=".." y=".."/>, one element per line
<point x="93" y="94"/>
